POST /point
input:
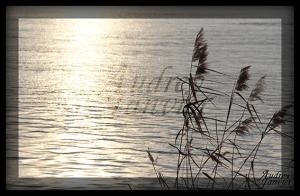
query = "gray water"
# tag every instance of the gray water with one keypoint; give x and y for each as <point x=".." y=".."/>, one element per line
<point x="87" y="107"/>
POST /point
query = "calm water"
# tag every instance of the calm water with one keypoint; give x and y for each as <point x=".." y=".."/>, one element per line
<point x="90" y="104"/>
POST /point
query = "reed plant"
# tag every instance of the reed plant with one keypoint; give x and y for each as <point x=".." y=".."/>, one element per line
<point x="210" y="155"/>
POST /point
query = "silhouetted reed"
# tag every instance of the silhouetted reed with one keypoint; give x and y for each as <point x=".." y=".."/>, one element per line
<point x="213" y="154"/>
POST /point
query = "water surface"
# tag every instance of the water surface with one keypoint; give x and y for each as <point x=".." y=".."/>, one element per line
<point x="89" y="103"/>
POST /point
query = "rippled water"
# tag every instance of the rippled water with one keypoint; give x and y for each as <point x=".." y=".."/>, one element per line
<point x="93" y="97"/>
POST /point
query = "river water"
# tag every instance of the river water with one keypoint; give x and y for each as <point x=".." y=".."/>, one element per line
<point x="95" y="94"/>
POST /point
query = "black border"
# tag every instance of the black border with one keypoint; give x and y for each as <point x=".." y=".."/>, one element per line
<point x="286" y="3"/>
<point x="150" y="3"/>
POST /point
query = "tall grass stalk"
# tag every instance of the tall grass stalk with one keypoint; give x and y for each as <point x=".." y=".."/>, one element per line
<point x="221" y="157"/>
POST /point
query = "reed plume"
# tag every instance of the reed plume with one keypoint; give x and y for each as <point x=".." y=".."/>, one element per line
<point x="244" y="126"/>
<point x="259" y="87"/>
<point x="243" y="78"/>
<point x="200" y="54"/>
<point x="279" y="117"/>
